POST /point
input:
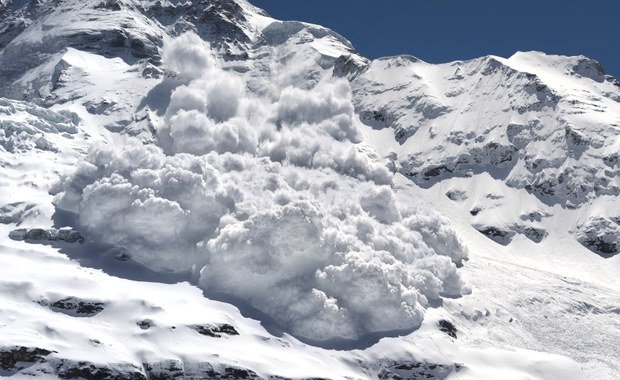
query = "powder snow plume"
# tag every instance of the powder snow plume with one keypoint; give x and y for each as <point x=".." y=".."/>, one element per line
<point x="273" y="200"/>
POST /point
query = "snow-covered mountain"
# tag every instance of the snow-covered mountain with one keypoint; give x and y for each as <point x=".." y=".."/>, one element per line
<point x="198" y="190"/>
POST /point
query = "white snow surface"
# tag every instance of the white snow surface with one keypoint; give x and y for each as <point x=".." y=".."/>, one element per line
<point x="337" y="202"/>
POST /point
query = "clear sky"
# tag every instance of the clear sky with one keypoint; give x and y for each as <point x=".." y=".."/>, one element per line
<point x="447" y="30"/>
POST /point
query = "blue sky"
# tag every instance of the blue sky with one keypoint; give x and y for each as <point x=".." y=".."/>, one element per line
<point x="446" y="30"/>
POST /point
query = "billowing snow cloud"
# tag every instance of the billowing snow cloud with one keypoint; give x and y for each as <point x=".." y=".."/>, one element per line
<point x="189" y="56"/>
<point x="275" y="202"/>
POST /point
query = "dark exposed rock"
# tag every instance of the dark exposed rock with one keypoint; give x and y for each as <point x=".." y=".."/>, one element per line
<point x="543" y="187"/>
<point x="215" y="331"/>
<point x="504" y="236"/>
<point x="377" y="118"/>
<point x="499" y="155"/>
<point x="612" y="160"/>
<point x="534" y="234"/>
<point x="123" y="256"/>
<point x="410" y="370"/>
<point x="145" y="324"/>
<point x="589" y="68"/>
<point x="447" y="327"/>
<point x="102" y="107"/>
<point x="532" y="216"/>
<point x="491" y="156"/>
<point x="166" y="370"/>
<point x="118" y="253"/>
<point x="111" y="5"/>
<point x="12" y="359"/>
<point x="493" y="66"/>
<point x="239" y="373"/>
<point x="436" y="171"/>
<point x="498" y="235"/>
<point x="401" y="134"/>
<point x="228" y="329"/>
<point x="50" y="234"/>
<point x="75" y="306"/>
<point x="457" y="195"/>
<point x="348" y="66"/>
<point x="600" y="235"/>
<point x="174" y="369"/>
<point x="574" y="138"/>
<point x="67" y="369"/>
<point x="151" y="71"/>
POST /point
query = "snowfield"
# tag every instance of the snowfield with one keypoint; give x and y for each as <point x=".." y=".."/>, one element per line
<point x="201" y="191"/>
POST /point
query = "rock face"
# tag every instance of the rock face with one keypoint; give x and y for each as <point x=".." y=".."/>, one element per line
<point x="447" y="327"/>
<point x="74" y="306"/>
<point x="496" y="115"/>
<point x="504" y="118"/>
<point x="14" y="359"/>
<point x="41" y="362"/>
<point x="500" y="236"/>
<point x="174" y="369"/>
<point x="415" y="370"/>
<point x="215" y="331"/>
<point x="600" y="235"/>
<point x="47" y="235"/>
<point x="67" y="369"/>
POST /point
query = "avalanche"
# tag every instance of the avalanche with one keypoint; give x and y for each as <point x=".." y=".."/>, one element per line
<point x="284" y="213"/>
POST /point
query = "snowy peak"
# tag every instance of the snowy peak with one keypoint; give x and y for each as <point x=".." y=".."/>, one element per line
<point x="33" y="33"/>
<point x="579" y="66"/>
<point x="545" y="124"/>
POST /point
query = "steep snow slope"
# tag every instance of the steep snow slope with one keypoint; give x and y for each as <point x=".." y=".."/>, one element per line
<point x="242" y="166"/>
<point x="545" y="124"/>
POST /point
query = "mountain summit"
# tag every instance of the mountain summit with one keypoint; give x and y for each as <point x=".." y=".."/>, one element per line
<point x="197" y="190"/>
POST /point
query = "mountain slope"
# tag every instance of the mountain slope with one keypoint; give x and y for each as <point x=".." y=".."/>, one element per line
<point x="446" y="221"/>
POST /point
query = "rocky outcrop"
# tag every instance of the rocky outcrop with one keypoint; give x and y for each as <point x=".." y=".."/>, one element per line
<point x="15" y="359"/>
<point x="401" y="370"/>
<point x="600" y="235"/>
<point x="47" y="235"/>
<point x="69" y="369"/>
<point x="349" y="66"/>
<point x="215" y="331"/>
<point x="16" y="213"/>
<point x="75" y="306"/>
<point x="493" y="115"/>
<point x="447" y="327"/>
<point x="175" y="369"/>
<point x="484" y="158"/>
<point x="497" y="234"/>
